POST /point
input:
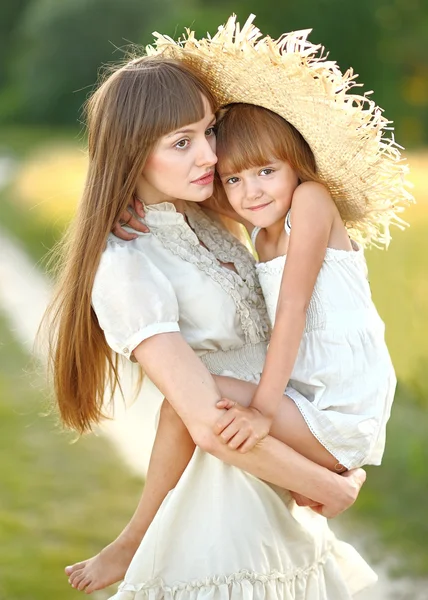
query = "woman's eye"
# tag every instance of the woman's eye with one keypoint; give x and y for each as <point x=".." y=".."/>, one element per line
<point x="182" y="144"/>
<point x="266" y="171"/>
<point x="210" y="131"/>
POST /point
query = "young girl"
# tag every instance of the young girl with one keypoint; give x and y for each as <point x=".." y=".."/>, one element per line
<point x="328" y="339"/>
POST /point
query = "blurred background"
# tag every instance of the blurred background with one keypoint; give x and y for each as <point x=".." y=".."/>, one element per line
<point x="60" y="501"/>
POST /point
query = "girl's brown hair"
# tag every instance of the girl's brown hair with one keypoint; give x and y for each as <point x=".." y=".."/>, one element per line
<point x="135" y="105"/>
<point x="252" y="136"/>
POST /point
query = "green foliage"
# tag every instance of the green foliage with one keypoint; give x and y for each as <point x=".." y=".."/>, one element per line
<point x="10" y="14"/>
<point x="64" y="44"/>
<point x="52" y="50"/>
<point x="60" y="502"/>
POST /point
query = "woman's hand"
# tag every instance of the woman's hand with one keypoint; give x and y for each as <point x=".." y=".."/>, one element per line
<point x="129" y="219"/>
<point x="351" y="483"/>
<point x="241" y="428"/>
<point x="351" y="488"/>
<point x="304" y="501"/>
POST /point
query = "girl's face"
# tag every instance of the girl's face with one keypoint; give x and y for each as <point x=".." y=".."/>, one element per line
<point x="181" y="165"/>
<point x="261" y="195"/>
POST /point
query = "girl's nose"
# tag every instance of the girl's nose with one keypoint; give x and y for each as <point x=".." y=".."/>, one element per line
<point x="253" y="191"/>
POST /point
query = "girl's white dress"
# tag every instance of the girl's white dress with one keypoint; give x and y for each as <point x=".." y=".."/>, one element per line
<point x="343" y="380"/>
<point x="220" y="534"/>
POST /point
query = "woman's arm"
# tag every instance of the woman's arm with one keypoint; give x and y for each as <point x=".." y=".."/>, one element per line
<point x="313" y="216"/>
<point x="177" y="372"/>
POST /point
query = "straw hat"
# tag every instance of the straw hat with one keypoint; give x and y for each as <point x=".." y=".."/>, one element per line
<point x="356" y="155"/>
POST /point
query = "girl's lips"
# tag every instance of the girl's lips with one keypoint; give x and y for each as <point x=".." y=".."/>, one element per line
<point x="205" y="180"/>
<point x="259" y="206"/>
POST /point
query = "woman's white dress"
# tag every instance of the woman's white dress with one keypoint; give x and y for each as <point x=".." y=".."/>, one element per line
<point x="220" y="534"/>
<point x="343" y="381"/>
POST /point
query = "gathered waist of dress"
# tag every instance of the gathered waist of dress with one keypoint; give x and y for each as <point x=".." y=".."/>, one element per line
<point x="244" y="363"/>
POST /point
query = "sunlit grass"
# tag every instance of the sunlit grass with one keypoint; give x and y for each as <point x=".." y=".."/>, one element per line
<point x="60" y="502"/>
<point x="399" y="282"/>
<point x="38" y="205"/>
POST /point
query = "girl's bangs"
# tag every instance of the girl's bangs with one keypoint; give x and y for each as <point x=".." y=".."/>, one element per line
<point x="244" y="142"/>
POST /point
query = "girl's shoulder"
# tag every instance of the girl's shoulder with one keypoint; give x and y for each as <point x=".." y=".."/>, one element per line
<point x="310" y="198"/>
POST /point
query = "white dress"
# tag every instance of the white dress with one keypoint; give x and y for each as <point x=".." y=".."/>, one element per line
<point x="220" y="534"/>
<point x="343" y="381"/>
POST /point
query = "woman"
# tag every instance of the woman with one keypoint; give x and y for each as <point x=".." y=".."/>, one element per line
<point x="184" y="302"/>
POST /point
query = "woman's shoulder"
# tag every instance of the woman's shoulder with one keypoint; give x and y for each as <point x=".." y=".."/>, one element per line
<point x="128" y="262"/>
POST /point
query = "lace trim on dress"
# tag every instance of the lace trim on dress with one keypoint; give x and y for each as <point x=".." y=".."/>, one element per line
<point x="242" y="286"/>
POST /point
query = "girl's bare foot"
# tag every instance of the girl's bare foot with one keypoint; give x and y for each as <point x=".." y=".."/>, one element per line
<point x="104" y="569"/>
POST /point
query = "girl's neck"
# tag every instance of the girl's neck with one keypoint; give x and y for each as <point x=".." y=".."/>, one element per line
<point x="274" y="233"/>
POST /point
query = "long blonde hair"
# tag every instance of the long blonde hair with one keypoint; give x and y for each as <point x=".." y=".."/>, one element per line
<point x="132" y="108"/>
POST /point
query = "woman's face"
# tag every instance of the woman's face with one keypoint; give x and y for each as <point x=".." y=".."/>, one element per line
<point x="261" y="195"/>
<point x="181" y="165"/>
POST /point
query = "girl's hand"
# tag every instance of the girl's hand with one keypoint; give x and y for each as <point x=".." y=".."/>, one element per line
<point x="241" y="428"/>
<point x="128" y="218"/>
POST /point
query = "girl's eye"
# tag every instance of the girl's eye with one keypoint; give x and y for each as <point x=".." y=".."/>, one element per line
<point x="210" y="131"/>
<point x="266" y="171"/>
<point x="182" y="144"/>
<point x="231" y="180"/>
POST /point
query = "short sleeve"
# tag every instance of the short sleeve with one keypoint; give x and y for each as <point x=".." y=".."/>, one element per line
<point x="132" y="299"/>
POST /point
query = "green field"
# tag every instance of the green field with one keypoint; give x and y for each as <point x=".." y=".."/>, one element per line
<point x="69" y="500"/>
<point x="60" y="502"/>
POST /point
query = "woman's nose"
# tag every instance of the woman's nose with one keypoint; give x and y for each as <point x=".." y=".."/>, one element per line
<point x="207" y="156"/>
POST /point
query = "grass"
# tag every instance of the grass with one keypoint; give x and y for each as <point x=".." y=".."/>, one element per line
<point x="60" y="502"/>
<point x="393" y="500"/>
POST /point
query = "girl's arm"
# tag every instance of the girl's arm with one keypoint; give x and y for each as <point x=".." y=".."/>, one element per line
<point x="178" y="373"/>
<point x="312" y="220"/>
<point x="288" y="425"/>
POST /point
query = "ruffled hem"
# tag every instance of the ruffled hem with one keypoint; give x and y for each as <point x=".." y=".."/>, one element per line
<point x="320" y="581"/>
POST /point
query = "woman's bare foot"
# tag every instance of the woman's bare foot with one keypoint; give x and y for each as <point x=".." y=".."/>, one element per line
<point x="104" y="569"/>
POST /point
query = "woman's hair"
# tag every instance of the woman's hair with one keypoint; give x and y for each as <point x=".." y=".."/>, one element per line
<point x="252" y="136"/>
<point x="132" y="108"/>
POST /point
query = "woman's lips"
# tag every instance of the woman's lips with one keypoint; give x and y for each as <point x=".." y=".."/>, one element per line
<point x="205" y="180"/>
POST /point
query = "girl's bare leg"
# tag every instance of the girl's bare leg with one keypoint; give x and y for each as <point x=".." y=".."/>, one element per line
<point x="289" y="425"/>
<point x="172" y="451"/>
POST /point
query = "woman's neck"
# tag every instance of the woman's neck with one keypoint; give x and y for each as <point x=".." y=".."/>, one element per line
<point x="179" y="204"/>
